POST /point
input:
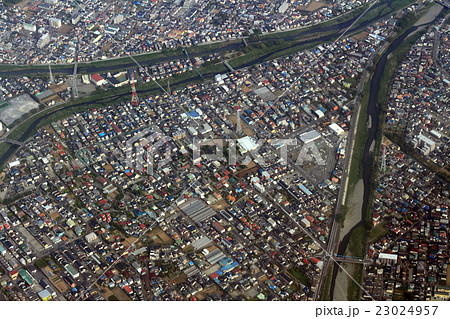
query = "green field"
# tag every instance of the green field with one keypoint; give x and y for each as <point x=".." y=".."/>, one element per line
<point x="325" y="295"/>
<point x="377" y="232"/>
<point x="360" y="236"/>
<point x="353" y="290"/>
<point x="355" y="171"/>
<point x="300" y="276"/>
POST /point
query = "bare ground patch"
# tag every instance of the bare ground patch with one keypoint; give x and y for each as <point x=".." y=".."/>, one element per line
<point x="158" y="236"/>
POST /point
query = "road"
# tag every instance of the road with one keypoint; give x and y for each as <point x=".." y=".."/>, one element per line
<point x="436" y="47"/>
<point x="372" y="110"/>
<point x="235" y="44"/>
<point x="335" y="227"/>
<point x="90" y="68"/>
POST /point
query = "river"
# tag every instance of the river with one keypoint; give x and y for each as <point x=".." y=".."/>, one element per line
<point x="91" y="68"/>
<point x="286" y="36"/>
<point x="372" y="113"/>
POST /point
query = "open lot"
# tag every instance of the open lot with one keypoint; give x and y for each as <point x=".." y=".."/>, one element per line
<point x="220" y="205"/>
<point x="157" y="236"/>
<point x="314" y="5"/>
<point x="57" y="281"/>
<point x="16" y="108"/>
<point x="120" y="294"/>
<point x="246" y="129"/>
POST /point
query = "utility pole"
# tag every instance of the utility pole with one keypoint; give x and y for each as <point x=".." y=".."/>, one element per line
<point x="51" y="74"/>
<point x="134" y="95"/>
<point x="74" y="77"/>
<point x="238" y="123"/>
<point x="383" y="160"/>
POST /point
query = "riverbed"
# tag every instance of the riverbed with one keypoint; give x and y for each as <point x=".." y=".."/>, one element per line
<point x="339" y="281"/>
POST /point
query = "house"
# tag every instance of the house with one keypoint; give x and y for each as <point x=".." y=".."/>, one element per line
<point x="97" y="79"/>
<point x="91" y="237"/>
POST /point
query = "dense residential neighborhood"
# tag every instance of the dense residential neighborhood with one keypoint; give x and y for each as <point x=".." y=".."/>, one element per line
<point x="43" y="32"/>
<point x="236" y="186"/>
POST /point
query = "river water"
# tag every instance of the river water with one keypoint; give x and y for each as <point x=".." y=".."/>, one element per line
<point x="367" y="161"/>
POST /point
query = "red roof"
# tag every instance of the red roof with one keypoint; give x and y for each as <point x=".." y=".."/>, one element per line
<point x="214" y="275"/>
<point x="115" y="128"/>
<point x="96" y="77"/>
<point x="127" y="289"/>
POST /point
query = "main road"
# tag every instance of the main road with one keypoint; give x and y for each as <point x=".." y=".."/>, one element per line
<point x="368" y="156"/>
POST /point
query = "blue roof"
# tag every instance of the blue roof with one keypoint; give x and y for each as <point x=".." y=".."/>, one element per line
<point x="305" y="190"/>
<point x="193" y="114"/>
<point x="225" y="261"/>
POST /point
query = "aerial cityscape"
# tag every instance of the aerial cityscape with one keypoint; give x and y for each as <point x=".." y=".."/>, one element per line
<point x="243" y="150"/>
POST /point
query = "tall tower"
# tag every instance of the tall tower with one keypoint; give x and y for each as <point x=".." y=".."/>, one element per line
<point x="238" y="123"/>
<point x="383" y="160"/>
<point x="75" y="68"/>
<point x="245" y="42"/>
<point x="134" y="96"/>
<point x="51" y="74"/>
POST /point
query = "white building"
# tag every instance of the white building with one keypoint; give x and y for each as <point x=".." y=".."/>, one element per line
<point x="336" y="129"/>
<point x="13" y="164"/>
<point x="260" y="188"/>
<point x="90" y="237"/>
<point x="424" y="144"/>
<point x="387" y="259"/>
<point x="306" y="223"/>
<point x="29" y="27"/>
<point x="43" y="41"/>
<point x="192" y="131"/>
<point x="54" y="22"/>
<point x="282" y="9"/>
<point x="118" y="18"/>
<point x="246" y="144"/>
<point x="435" y="133"/>
<point x="309" y="136"/>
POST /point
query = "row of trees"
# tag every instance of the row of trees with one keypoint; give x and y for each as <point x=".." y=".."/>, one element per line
<point x="10" y="2"/>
